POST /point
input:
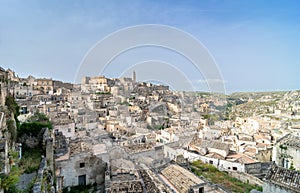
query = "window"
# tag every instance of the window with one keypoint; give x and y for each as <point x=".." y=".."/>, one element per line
<point x="211" y="162"/>
<point x="81" y="165"/>
<point x="234" y="168"/>
<point x="69" y="130"/>
<point x="286" y="163"/>
<point x="201" y="190"/>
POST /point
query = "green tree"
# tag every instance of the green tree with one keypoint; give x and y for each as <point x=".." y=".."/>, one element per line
<point x="34" y="125"/>
<point x="32" y="128"/>
<point x="39" y="117"/>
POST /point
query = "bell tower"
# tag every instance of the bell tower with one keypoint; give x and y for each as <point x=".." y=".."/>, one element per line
<point x="134" y="77"/>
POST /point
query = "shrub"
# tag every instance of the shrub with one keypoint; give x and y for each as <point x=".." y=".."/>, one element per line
<point x="33" y="128"/>
<point x="12" y="105"/>
<point x="12" y="130"/>
<point x="8" y="181"/>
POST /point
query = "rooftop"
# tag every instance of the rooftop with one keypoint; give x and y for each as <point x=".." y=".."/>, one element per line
<point x="239" y="157"/>
<point x="196" y="141"/>
<point x="291" y="140"/>
<point x="78" y="147"/>
<point x="180" y="178"/>
<point x="284" y="177"/>
<point x="99" y="149"/>
<point x="135" y="148"/>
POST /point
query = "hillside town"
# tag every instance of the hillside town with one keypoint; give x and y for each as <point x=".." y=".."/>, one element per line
<point x="122" y="135"/>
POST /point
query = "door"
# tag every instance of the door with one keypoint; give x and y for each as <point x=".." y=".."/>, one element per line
<point x="82" y="180"/>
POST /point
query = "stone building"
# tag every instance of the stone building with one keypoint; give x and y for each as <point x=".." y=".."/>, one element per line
<point x="286" y="152"/>
<point x="79" y="166"/>
<point x="3" y="85"/>
<point x="182" y="180"/>
<point x="96" y="84"/>
<point x="67" y="128"/>
<point x="281" y="180"/>
<point x="44" y="85"/>
<point x="205" y="146"/>
<point x="23" y="88"/>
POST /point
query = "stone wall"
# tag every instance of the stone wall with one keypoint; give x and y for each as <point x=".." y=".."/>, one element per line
<point x="258" y="169"/>
<point x="68" y="129"/>
<point x="264" y="155"/>
<point x="270" y="187"/>
<point x="44" y="179"/>
<point x="246" y="178"/>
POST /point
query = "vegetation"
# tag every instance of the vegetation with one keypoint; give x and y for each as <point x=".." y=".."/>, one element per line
<point x="81" y="189"/>
<point x="30" y="161"/>
<point x="12" y="129"/>
<point x="31" y="157"/>
<point x="292" y="166"/>
<point x="108" y="93"/>
<point x="28" y="164"/>
<point x="212" y="118"/>
<point x="159" y="127"/>
<point x="39" y="117"/>
<point x="32" y="129"/>
<point x="201" y="94"/>
<point x="34" y="125"/>
<point x="12" y="106"/>
<point x="8" y="181"/>
<point x="125" y="103"/>
<point x="12" y="122"/>
<point x="283" y="147"/>
<point x="212" y="174"/>
<point x="132" y="98"/>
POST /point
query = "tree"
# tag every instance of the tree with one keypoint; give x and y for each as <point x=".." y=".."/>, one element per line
<point x="32" y="128"/>
<point x="39" y="117"/>
<point x="12" y="105"/>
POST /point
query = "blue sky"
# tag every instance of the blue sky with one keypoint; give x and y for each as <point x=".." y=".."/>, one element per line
<point x="254" y="43"/>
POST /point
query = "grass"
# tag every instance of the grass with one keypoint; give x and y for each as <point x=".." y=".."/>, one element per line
<point x="215" y="176"/>
<point x="30" y="161"/>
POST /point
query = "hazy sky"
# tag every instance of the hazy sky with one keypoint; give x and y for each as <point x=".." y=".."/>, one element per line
<point x="256" y="44"/>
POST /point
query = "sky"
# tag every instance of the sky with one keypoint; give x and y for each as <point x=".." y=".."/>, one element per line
<point x="254" y="43"/>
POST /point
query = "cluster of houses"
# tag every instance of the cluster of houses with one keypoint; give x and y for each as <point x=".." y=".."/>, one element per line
<point x="127" y="136"/>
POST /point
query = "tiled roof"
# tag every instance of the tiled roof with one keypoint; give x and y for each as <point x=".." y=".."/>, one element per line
<point x="292" y="140"/>
<point x="289" y="179"/>
<point x="209" y="144"/>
